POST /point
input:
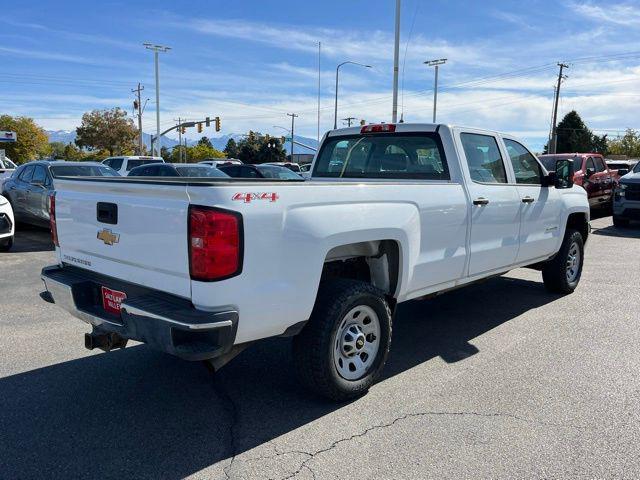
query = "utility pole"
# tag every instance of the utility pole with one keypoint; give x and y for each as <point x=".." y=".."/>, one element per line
<point x="293" y="118"/>
<point x="436" y="64"/>
<point x="553" y="146"/>
<point x="140" y="109"/>
<point x="179" y="140"/>
<point x="156" y="49"/>
<point x="349" y="120"/>
<point x="396" y="61"/>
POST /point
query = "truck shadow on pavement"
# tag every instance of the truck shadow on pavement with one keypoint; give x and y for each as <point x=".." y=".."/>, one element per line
<point x="632" y="231"/>
<point x="135" y="413"/>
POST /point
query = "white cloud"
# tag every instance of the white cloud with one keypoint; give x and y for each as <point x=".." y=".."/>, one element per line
<point x="626" y="14"/>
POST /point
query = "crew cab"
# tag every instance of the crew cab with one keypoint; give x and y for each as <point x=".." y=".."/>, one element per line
<point x="201" y="268"/>
<point x="592" y="173"/>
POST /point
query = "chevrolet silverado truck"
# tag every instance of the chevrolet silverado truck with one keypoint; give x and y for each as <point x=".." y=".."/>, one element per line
<point x="201" y="268"/>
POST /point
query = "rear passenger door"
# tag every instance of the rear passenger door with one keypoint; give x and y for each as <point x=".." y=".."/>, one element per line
<point x="590" y="182"/>
<point x="495" y="204"/>
<point x="604" y="180"/>
<point x="539" y="208"/>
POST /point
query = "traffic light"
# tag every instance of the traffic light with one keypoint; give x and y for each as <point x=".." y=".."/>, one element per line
<point x="184" y="130"/>
<point x="217" y="120"/>
<point x="363" y="123"/>
<point x="207" y="122"/>
<point x="135" y="104"/>
<point x="200" y="128"/>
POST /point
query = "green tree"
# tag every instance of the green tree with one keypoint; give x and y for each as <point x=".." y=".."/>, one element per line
<point x="31" y="143"/>
<point x="231" y="149"/>
<point x="109" y="130"/>
<point x="57" y="149"/>
<point x="165" y="153"/>
<point x="201" y="151"/>
<point x="71" y="152"/>
<point x="206" y="142"/>
<point x="628" y="144"/>
<point x="575" y="136"/>
<point x="271" y="150"/>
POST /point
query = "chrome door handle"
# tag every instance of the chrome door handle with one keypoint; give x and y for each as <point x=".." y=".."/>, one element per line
<point x="528" y="200"/>
<point x="481" y="201"/>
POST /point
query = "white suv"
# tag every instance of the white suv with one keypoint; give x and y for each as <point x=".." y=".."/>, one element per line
<point x="123" y="165"/>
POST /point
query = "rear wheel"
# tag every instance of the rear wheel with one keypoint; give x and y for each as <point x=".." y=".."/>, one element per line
<point x="562" y="273"/>
<point x="343" y="348"/>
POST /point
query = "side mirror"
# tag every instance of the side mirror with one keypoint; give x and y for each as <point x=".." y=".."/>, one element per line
<point x="564" y="174"/>
<point x="588" y="172"/>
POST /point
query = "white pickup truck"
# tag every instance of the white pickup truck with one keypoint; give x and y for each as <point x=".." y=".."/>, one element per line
<point x="200" y="268"/>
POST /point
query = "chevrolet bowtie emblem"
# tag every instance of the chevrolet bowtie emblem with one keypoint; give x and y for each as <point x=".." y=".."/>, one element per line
<point x="108" y="237"/>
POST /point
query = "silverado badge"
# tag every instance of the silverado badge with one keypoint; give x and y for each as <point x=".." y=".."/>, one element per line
<point x="108" y="237"/>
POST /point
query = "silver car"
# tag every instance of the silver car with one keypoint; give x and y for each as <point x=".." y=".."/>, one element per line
<point x="31" y="184"/>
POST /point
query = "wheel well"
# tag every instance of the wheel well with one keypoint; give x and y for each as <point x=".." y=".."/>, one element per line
<point x="376" y="262"/>
<point x="578" y="221"/>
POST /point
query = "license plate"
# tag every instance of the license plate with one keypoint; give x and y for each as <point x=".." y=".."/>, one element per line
<point x="112" y="300"/>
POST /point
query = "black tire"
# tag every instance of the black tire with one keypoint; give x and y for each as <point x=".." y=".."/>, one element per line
<point x="313" y="347"/>
<point x="554" y="271"/>
<point x="6" y="244"/>
<point x="620" y="222"/>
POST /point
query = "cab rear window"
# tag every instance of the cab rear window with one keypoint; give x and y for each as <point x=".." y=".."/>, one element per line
<point x="394" y="156"/>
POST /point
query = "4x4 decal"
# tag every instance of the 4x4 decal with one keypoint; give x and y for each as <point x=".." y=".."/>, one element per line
<point x="249" y="197"/>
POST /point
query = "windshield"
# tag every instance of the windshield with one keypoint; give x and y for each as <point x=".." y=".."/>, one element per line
<point x="83" y="171"/>
<point x="636" y="169"/>
<point x="549" y="161"/>
<point x="398" y="156"/>
<point x="200" y="172"/>
<point x="282" y="173"/>
<point x="136" y="163"/>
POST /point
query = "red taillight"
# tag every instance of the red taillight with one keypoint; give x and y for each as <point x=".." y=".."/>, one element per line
<point x="215" y="243"/>
<point x="52" y="219"/>
<point x="383" y="127"/>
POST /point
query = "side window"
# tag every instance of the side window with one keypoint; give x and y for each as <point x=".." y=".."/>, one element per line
<point x="26" y="174"/>
<point x="599" y="164"/>
<point x="39" y="175"/>
<point x="108" y="162"/>
<point x="525" y="166"/>
<point x="483" y="157"/>
<point x="116" y="163"/>
<point x="248" y="172"/>
<point x="590" y="166"/>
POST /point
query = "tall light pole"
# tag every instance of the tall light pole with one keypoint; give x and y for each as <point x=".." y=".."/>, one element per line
<point x="396" y="61"/>
<point x="335" y="110"/>
<point x="156" y="49"/>
<point x="553" y="146"/>
<point x="436" y="64"/>
<point x="293" y="119"/>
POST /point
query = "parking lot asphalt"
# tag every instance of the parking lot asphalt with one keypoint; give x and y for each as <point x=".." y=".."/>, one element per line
<point x="498" y="380"/>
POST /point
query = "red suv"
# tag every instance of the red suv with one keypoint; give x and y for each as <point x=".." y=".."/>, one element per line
<point x="591" y="173"/>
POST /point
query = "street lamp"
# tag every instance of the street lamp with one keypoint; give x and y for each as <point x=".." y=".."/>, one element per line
<point x="435" y="63"/>
<point x="156" y="49"/>
<point x="335" y="113"/>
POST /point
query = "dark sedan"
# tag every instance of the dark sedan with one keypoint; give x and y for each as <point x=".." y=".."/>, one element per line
<point x="177" y="170"/>
<point x="31" y="184"/>
<point x="259" y="171"/>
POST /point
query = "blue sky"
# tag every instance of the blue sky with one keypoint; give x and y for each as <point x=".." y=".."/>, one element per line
<point x="251" y="62"/>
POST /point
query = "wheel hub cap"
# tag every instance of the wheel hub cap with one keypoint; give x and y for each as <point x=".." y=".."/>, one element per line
<point x="357" y="342"/>
<point x="573" y="262"/>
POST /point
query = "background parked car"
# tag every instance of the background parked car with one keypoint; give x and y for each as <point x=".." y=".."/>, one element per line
<point x="591" y="173"/>
<point x="215" y="162"/>
<point x="177" y="170"/>
<point x="626" y="198"/>
<point x="123" y="165"/>
<point x="29" y="187"/>
<point x="294" y="167"/>
<point x="7" y="167"/>
<point x="621" y="166"/>
<point x="259" y="171"/>
<point x="7" y="225"/>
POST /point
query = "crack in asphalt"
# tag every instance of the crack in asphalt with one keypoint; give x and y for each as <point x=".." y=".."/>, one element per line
<point x="311" y="456"/>
<point x="232" y="410"/>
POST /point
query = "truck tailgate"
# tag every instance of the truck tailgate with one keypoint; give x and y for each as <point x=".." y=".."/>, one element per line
<point x="146" y="244"/>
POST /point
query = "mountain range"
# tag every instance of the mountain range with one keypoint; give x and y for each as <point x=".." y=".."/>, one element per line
<point x="67" y="136"/>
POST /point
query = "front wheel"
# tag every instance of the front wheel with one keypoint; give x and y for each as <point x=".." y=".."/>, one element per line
<point x="6" y="244"/>
<point x="343" y="348"/>
<point x="562" y="273"/>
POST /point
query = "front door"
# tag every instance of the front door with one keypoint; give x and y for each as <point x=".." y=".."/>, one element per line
<point x="540" y="206"/>
<point x="495" y="205"/>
